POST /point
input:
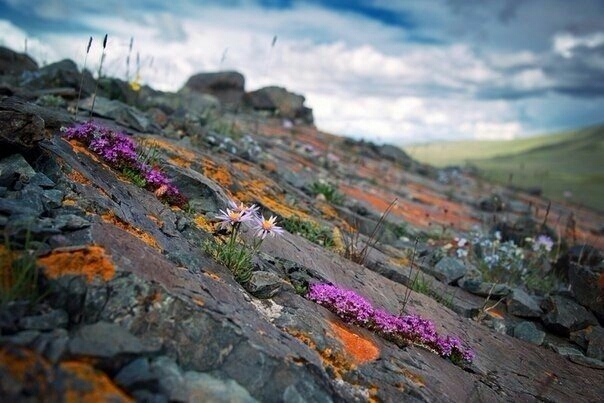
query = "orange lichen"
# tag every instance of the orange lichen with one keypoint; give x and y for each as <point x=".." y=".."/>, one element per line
<point x="111" y="218"/>
<point x="338" y="362"/>
<point x="418" y="380"/>
<point x="181" y="152"/>
<point x="25" y="366"/>
<point x="203" y="223"/>
<point x="76" y="176"/>
<point x="87" y="384"/>
<point x="360" y="349"/>
<point x="6" y="271"/>
<point x="198" y="301"/>
<point x="90" y="261"/>
<point x="156" y="220"/>
<point x="181" y="162"/>
<point x="219" y="174"/>
<point x="212" y="276"/>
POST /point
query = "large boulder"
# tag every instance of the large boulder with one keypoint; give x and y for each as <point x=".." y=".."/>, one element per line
<point x="586" y="284"/>
<point x="280" y="101"/>
<point x="62" y="74"/>
<point x="227" y="86"/>
<point x="13" y="63"/>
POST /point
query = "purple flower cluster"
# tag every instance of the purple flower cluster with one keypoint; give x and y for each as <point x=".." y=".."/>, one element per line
<point x="403" y="330"/>
<point x="119" y="151"/>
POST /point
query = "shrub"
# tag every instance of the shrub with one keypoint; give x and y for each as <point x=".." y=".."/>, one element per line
<point x="309" y="230"/>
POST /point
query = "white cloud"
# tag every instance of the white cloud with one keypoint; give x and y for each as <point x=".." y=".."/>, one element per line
<point x="565" y="43"/>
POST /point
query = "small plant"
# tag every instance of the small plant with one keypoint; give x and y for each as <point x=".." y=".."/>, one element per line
<point x="351" y="238"/>
<point x="309" y="230"/>
<point x="328" y="190"/>
<point x="99" y="75"/>
<point x="402" y="330"/>
<point x="122" y="154"/>
<point x="414" y="281"/>
<point x="18" y="274"/>
<point x="82" y="78"/>
<point x="232" y="251"/>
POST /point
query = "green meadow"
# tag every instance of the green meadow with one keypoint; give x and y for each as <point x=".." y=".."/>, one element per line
<point x="559" y="163"/>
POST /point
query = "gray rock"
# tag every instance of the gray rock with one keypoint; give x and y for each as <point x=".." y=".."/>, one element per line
<point x="18" y="128"/>
<point x="23" y="338"/>
<point x="107" y="340"/>
<point x="39" y="179"/>
<point x="483" y="289"/>
<point x="47" y="321"/>
<point x="521" y="304"/>
<point x="137" y="374"/>
<point x="264" y="284"/>
<point x="563" y="315"/>
<point x="201" y="387"/>
<point x="527" y="331"/>
<point x="595" y="347"/>
<point x="566" y="351"/>
<point x="15" y="168"/>
<point x="15" y="63"/>
<point x="449" y="270"/>
<point x="280" y="101"/>
<point x="227" y="86"/>
<point x="71" y="222"/>
<point x="587" y="361"/>
<point x="170" y="376"/>
<point x="52" y="345"/>
<point x="123" y="114"/>
<point x="585" y="283"/>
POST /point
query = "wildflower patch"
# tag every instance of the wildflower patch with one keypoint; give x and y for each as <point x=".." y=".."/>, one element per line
<point x="402" y="330"/>
<point x="122" y="153"/>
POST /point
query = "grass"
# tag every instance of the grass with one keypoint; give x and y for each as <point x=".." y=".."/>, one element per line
<point x="19" y="274"/>
<point x="313" y="232"/>
<point x="557" y="163"/>
<point x="331" y="193"/>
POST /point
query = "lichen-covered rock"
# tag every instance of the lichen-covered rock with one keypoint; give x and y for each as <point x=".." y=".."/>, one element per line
<point x="563" y="315"/>
<point x="521" y="304"/>
<point x="227" y="86"/>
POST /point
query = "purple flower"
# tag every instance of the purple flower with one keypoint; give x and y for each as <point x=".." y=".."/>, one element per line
<point x="402" y="330"/>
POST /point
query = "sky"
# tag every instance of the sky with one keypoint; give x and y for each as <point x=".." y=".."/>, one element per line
<point x="390" y="71"/>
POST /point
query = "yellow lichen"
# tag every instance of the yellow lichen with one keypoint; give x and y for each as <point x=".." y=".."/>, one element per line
<point x="99" y="387"/>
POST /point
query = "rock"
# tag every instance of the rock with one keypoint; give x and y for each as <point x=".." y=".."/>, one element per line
<point x="136" y="375"/>
<point x="53" y="345"/>
<point x="47" y="321"/>
<point x="123" y="114"/>
<point x="395" y="154"/>
<point x="448" y="270"/>
<point x="185" y="101"/>
<point x="484" y="289"/>
<point x="263" y="284"/>
<point x="13" y="63"/>
<point x="492" y="204"/>
<point x="592" y="339"/>
<point x="563" y="315"/>
<point x="15" y="169"/>
<point x="106" y="340"/>
<point x="63" y="74"/>
<point x="201" y="387"/>
<point x="521" y="304"/>
<point x="281" y="102"/>
<point x="585" y="282"/>
<point x="581" y="255"/>
<point x="227" y="86"/>
<point x="527" y="331"/>
<point x="20" y="130"/>
<point x="587" y="361"/>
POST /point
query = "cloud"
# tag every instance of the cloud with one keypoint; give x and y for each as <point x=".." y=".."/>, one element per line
<point x="441" y="69"/>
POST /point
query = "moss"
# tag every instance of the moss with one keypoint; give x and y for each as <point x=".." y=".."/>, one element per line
<point x="90" y="261"/>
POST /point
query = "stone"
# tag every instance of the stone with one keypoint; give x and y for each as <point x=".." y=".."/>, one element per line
<point x="566" y="351"/>
<point x="13" y="63"/>
<point x="136" y="375"/>
<point x="563" y="315"/>
<point x="227" y="86"/>
<point x="15" y="168"/>
<point x="521" y="304"/>
<point x="281" y="102"/>
<point x="582" y="255"/>
<point x="585" y="282"/>
<point x="107" y="340"/>
<point x="492" y="204"/>
<point x="448" y="270"/>
<point x="20" y="130"/>
<point x="587" y="361"/>
<point x="47" y="321"/>
<point x="123" y="114"/>
<point x="595" y="343"/>
<point x="484" y="289"/>
<point x="263" y="284"/>
<point x="170" y="377"/>
<point x="527" y="331"/>
<point x="63" y="74"/>
<point x="201" y="387"/>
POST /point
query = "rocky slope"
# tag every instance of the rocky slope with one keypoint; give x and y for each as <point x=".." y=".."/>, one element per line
<point x="130" y="308"/>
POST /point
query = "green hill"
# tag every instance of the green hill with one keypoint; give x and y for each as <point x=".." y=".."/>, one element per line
<point x="564" y="162"/>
